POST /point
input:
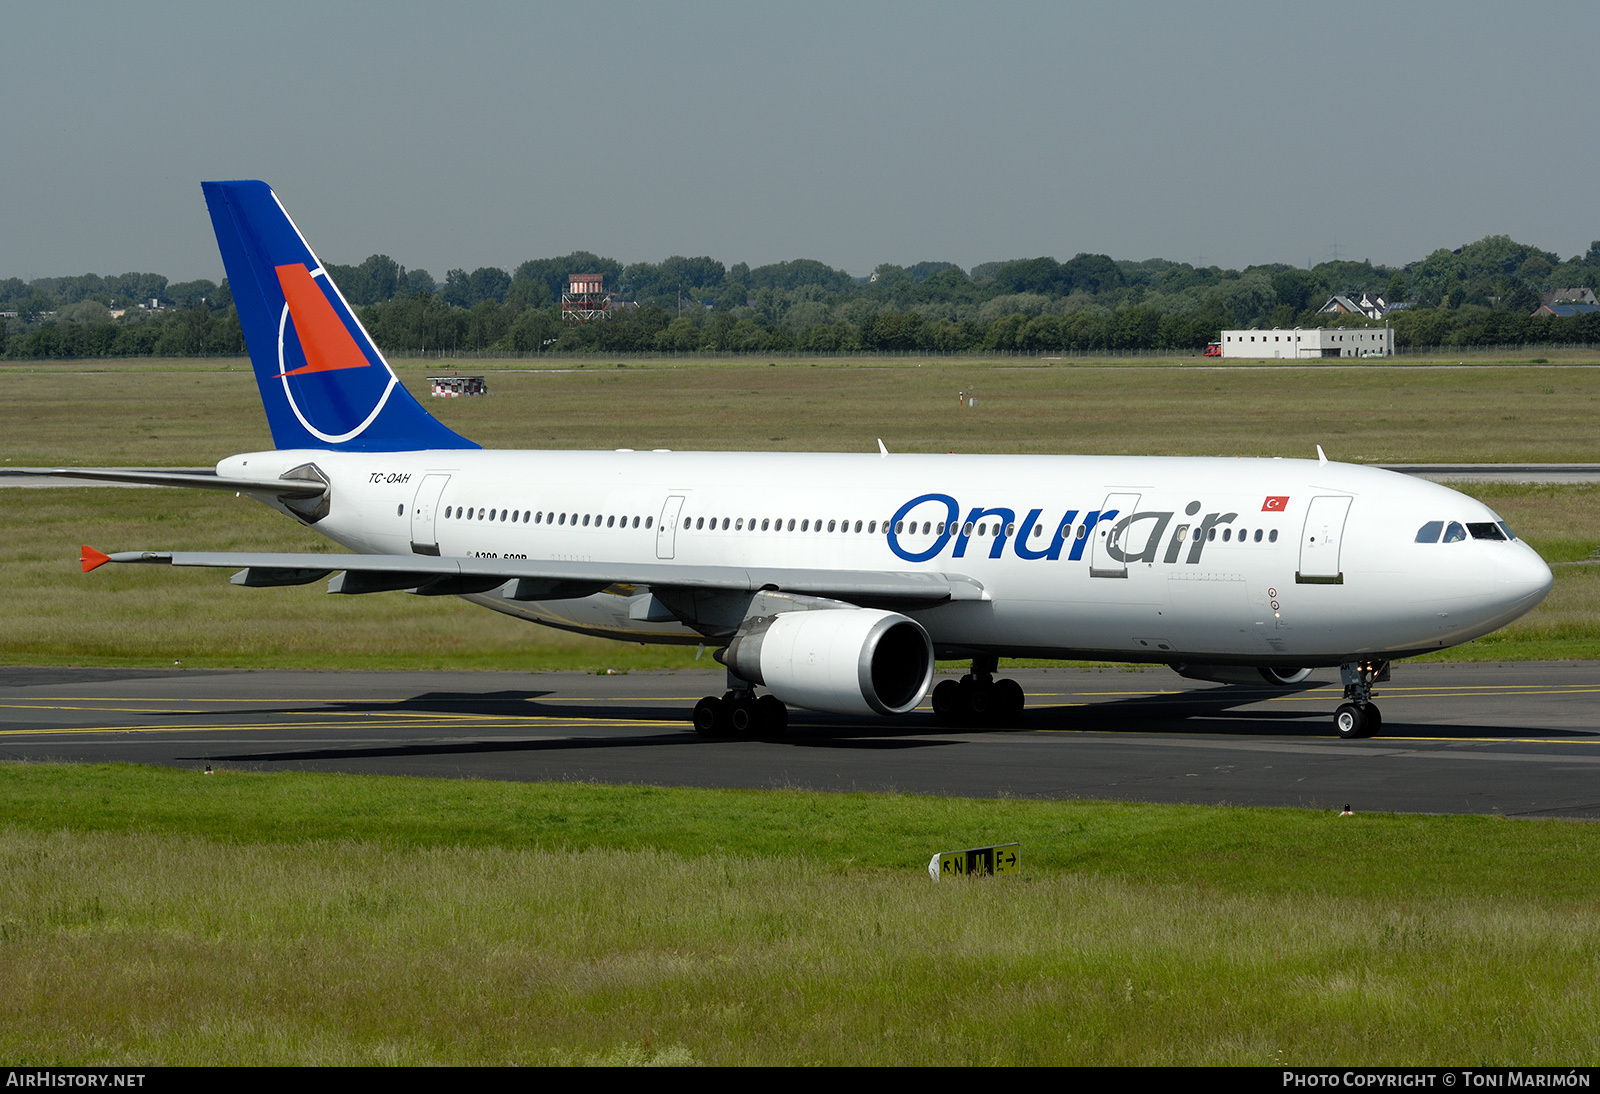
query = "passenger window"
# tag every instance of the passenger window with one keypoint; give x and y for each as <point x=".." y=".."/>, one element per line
<point x="1037" y="531"/>
<point x="738" y="525"/>
<point x="1010" y="529"/>
<point x="563" y="518"/>
<point x="586" y="520"/>
<point x="858" y="526"/>
<point x="1258" y="535"/>
<point x="830" y="525"/>
<point x="1272" y="536"/>
<point x="805" y="525"/>
<point x="1083" y="531"/>
<point x="925" y="526"/>
<point x="1211" y="535"/>
<point x="1429" y="533"/>
<point x="491" y="514"/>
<point x="725" y="523"/>
<point x="791" y="524"/>
<point x="648" y="521"/>
<point x="688" y="522"/>
<point x="872" y="526"/>
<point x="611" y="522"/>
<point x="899" y="527"/>
<point x="514" y="516"/>
<point x="1454" y="533"/>
<point x="1486" y="530"/>
<point x="699" y="524"/>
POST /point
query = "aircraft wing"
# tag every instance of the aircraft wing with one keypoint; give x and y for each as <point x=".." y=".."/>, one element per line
<point x="548" y="580"/>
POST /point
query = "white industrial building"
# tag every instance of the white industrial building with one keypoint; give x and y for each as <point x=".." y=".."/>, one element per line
<point x="1314" y="342"/>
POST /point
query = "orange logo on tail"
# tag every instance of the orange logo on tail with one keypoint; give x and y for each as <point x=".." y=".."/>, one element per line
<point x="327" y="344"/>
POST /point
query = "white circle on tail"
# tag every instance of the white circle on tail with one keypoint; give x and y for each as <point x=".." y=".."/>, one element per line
<point x="330" y="438"/>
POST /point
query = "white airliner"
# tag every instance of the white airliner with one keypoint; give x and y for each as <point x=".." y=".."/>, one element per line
<point x="833" y="580"/>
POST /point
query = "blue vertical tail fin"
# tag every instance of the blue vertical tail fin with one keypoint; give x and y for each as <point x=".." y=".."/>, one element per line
<point x="322" y="380"/>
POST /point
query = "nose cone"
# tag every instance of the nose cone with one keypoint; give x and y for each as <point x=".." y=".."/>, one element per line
<point x="1524" y="579"/>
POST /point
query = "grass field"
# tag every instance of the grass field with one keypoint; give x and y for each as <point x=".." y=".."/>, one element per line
<point x="190" y="413"/>
<point x="193" y="413"/>
<point x="155" y="916"/>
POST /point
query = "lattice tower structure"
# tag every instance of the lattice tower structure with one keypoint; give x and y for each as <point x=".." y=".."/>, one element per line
<point x="585" y="300"/>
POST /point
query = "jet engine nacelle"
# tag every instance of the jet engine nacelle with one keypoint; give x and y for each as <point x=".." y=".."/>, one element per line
<point x="844" y="660"/>
<point x="1243" y="674"/>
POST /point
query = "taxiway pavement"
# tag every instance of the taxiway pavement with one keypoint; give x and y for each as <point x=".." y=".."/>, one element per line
<point x="1520" y="739"/>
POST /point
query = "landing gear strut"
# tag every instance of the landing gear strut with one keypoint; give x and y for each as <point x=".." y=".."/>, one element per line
<point x="739" y="712"/>
<point x="978" y="698"/>
<point x="1359" y="717"/>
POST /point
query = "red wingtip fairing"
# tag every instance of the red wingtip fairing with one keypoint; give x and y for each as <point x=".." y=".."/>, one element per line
<point x="90" y="558"/>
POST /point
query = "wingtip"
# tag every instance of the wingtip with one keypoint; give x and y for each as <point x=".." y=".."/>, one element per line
<point x="90" y="558"/>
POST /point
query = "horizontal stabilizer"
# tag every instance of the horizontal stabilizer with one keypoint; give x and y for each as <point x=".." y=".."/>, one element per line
<point x="278" y="488"/>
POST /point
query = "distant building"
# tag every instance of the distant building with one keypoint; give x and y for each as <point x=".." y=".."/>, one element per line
<point x="1371" y="306"/>
<point x="1316" y="342"/>
<point x="1568" y="296"/>
<point x="1566" y="311"/>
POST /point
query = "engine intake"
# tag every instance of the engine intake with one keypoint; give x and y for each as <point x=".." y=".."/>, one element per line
<point x="844" y="661"/>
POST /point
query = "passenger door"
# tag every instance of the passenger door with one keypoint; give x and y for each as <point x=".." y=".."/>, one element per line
<point x="1320" y="541"/>
<point x="424" y="512"/>
<point x="1106" y="534"/>
<point x="667" y="529"/>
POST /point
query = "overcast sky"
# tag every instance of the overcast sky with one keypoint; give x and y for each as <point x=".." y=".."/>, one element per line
<point x="466" y="135"/>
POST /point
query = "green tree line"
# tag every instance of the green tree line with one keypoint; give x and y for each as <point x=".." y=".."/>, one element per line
<point x="1478" y="294"/>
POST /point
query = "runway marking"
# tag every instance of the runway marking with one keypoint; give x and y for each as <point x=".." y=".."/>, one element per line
<point x="1402" y="693"/>
<point x="566" y="723"/>
<point x="98" y="710"/>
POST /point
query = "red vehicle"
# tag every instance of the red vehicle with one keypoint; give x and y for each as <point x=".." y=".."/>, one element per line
<point x="1213" y="349"/>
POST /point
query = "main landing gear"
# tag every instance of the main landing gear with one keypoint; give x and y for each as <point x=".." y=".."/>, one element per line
<point x="1358" y="717"/>
<point x="738" y="712"/>
<point x="978" y="698"/>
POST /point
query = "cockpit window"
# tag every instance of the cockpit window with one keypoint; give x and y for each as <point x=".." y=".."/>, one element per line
<point x="1429" y="533"/>
<point x="1487" y="530"/>
<point x="1506" y="528"/>
<point x="1455" y="533"/>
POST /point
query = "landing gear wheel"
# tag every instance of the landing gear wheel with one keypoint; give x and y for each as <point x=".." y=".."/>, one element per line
<point x="774" y="716"/>
<point x="1351" y="721"/>
<point x="1374" y="722"/>
<point x="977" y="697"/>
<point x="1007" y="702"/>
<point x="711" y="717"/>
<point x="744" y="717"/>
<point x="948" y="705"/>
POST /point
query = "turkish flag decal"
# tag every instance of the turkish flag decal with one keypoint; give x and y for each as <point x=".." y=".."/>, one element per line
<point x="1275" y="504"/>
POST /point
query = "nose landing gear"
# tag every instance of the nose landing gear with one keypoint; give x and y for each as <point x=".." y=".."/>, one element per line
<point x="978" y="698"/>
<point x="1359" y="717"/>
